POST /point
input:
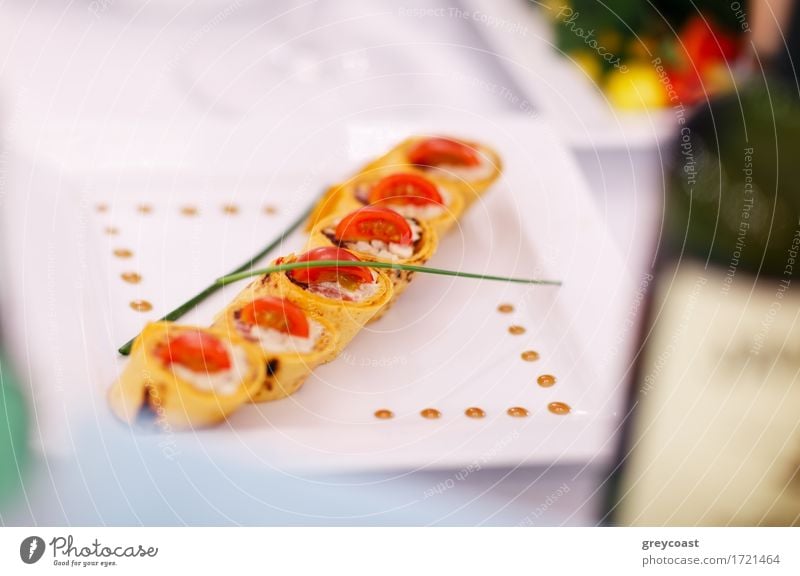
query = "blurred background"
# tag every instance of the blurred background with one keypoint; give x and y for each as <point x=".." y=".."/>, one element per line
<point x="112" y="87"/>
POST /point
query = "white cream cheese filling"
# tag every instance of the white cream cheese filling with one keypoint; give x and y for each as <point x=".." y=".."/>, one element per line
<point x="365" y="290"/>
<point x="272" y="340"/>
<point x="384" y="250"/>
<point x="379" y="249"/>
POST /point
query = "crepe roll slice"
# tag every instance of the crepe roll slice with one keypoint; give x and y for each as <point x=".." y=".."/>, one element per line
<point x="382" y="235"/>
<point x="347" y="297"/>
<point x="187" y="376"/>
<point x="471" y="166"/>
<point x="292" y="343"/>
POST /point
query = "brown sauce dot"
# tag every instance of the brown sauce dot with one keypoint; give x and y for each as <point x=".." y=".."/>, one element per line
<point x="475" y="412"/>
<point x="189" y="210"/>
<point x="111" y="230"/>
<point x="270" y="209"/>
<point x="546" y="380"/>
<point x="384" y="414"/>
<point x="516" y="330"/>
<point x="141" y="305"/>
<point x="430" y="413"/>
<point x="123" y="253"/>
<point x="101" y="207"/>
<point x="144" y="208"/>
<point x="230" y="209"/>
<point x="530" y="355"/>
<point x="559" y="408"/>
<point x="517" y="412"/>
<point x="131" y="277"/>
<point x="505" y="308"/>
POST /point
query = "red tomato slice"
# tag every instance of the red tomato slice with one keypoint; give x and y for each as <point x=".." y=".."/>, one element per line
<point x="197" y="351"/>
<point x="443" y="152"/>
<point x="276" y="313"/>
<point x="405" y="189"/>
<point x="347" y="275"/>
<point x="374" y="223"/>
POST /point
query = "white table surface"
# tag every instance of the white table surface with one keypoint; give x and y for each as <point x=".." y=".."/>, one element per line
<point x="74" y="79"/>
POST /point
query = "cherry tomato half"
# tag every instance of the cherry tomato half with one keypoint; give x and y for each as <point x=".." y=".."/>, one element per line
<point x="197" y="351"/>
<point x="374" y="223"/>
<point x="276" y="313"/>
<point x="405" y="189"/>
<point x="348" y="275"/>
<point x="442" y="152"/>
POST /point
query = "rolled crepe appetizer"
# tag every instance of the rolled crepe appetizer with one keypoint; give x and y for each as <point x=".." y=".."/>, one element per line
<point x="379" y="234"/>
<point x="291" y="342"/>
<point x="411" y="194"/>
<point x="470" y="166"/>
<point x="347" y="297"/>
<point x="187" y="376"/>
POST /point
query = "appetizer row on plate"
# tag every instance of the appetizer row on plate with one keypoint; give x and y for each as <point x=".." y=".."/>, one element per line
<point x="266" y="342"/>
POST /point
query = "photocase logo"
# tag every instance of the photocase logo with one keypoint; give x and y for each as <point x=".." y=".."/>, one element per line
<point x="31" y="549"/>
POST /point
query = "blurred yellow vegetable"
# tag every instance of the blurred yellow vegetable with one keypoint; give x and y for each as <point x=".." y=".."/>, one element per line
<point x="637" y="87"/>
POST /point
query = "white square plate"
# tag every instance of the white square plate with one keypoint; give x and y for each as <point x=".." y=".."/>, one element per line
<point x="443" y="345"/>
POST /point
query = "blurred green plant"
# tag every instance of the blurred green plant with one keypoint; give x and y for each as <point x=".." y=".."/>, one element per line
<point x="742" y="150"/>
<point x="13" y="434"/>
